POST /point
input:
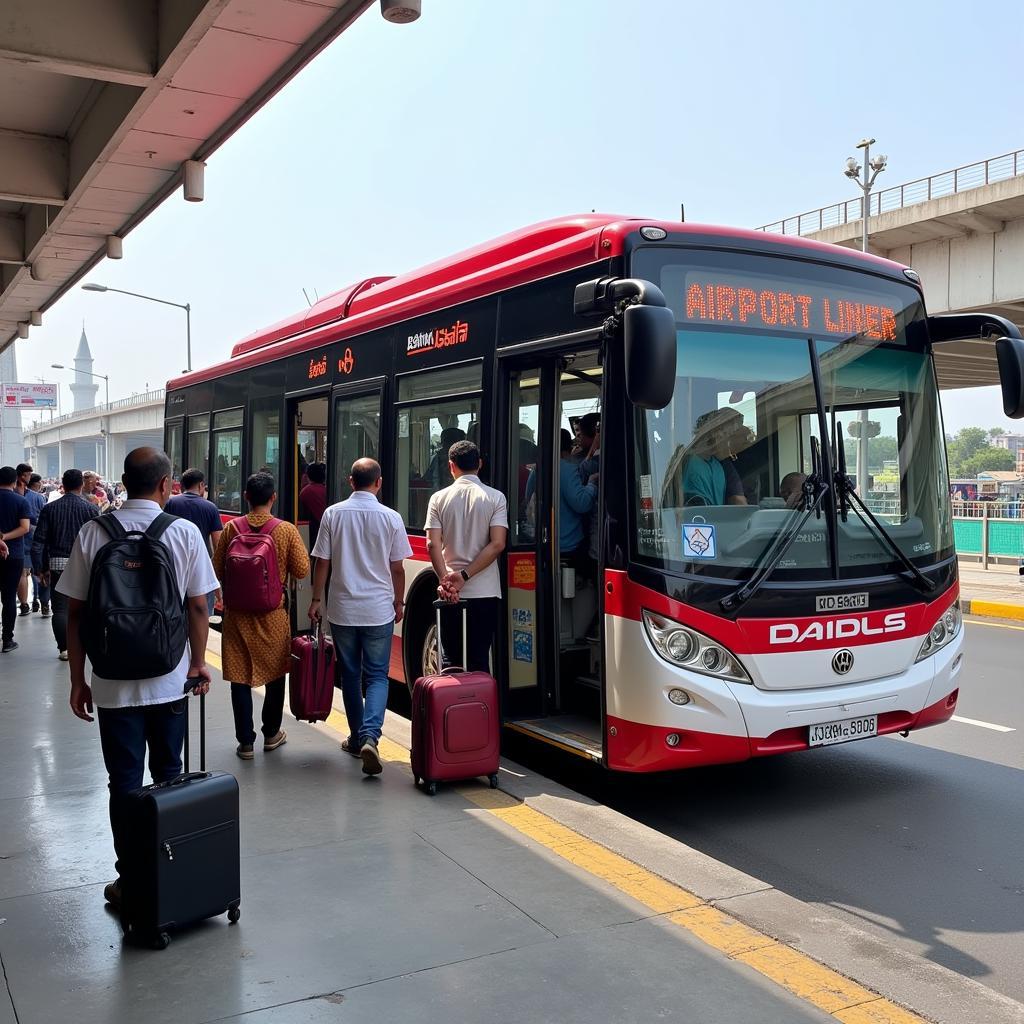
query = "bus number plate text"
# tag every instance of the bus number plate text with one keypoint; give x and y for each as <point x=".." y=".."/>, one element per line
<point x="842" y="732"/>
<point x="840" y="602"/>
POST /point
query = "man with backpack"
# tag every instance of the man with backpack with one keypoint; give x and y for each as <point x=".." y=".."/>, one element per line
<point x="136" y="582"/>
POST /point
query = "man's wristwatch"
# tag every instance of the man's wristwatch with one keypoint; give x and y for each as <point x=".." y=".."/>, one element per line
<point x="464" y="574"/>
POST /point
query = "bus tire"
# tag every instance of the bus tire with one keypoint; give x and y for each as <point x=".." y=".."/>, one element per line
<point x="417" y="637"/>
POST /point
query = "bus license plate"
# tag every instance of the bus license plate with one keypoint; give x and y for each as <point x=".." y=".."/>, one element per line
<point x="842" y="732"/>
<point x="840" y="602"/>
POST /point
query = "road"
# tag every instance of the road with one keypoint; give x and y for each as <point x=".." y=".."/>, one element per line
<point x="918" y="839"/>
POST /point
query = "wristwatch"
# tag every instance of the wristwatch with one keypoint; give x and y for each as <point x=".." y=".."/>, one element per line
<point x="464" y="574"/>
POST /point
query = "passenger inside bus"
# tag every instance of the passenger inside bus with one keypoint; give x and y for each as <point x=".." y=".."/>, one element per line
<point x="313" y="498"/>
<point x="576" y="499"/>
<point x="709" y="471"/>
<point x="437" y="474"/>
<point x="791" y="488"/>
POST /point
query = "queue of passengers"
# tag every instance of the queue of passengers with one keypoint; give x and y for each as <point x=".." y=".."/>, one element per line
<point x="361" y="544"/>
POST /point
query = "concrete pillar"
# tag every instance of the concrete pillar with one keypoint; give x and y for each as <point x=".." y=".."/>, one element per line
<point x="118" y="450"/>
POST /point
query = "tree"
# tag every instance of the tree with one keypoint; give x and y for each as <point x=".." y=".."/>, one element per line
<point x="995" y="431"/>
<point x="987" y="460"/>
<point x="969" y="441"/>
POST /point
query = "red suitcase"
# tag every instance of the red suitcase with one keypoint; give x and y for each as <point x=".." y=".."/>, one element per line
<point x="455" y="723"/>
<point x="311" y="679"/>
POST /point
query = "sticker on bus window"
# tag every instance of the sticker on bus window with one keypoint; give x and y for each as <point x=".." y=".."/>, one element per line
<point x="403" y="424"/>
<point x="699" y="541"/>
<point x="522" y="645"/>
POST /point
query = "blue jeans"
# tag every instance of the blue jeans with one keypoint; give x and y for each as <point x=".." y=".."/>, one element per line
<point x="364" y="653"/>
<point x="125" y="733"/>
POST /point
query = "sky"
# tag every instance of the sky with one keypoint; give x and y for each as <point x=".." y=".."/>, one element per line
<point x="401" y="144"/>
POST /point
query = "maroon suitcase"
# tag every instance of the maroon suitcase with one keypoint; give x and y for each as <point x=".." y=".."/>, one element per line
<point x="311" y="678"/>
<point x="455" y="723"/>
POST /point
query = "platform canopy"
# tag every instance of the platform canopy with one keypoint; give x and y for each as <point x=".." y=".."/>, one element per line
<point x="102" y="102"/>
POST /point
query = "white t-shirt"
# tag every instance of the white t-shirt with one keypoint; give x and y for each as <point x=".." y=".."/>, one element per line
<point x="193" y="570"/>
<point x="465" y="513"/>
<point x="362" y="538"/>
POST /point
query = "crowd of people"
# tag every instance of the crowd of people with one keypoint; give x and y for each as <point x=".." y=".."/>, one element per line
<point x="141" y="615"/>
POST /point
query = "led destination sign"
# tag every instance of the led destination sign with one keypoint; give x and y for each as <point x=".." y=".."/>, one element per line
<point x="770" y="304"/>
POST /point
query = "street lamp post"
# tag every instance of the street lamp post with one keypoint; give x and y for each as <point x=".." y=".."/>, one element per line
<point x="872" y="168"/>
<point x="164" y="302"/>
<point x="106" y="394"/>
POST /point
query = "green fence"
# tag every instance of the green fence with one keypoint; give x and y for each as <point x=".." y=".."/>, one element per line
<point x="989" y="538"/>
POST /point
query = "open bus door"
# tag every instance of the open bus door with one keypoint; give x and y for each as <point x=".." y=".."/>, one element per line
<point x="552" y="675"/>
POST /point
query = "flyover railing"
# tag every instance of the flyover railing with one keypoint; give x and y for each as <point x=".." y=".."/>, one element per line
<point x="140" y="398"/>
<point x="946" y="183"/>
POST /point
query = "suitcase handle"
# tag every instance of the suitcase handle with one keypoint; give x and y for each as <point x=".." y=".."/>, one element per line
<point x="202" y="733"/>
<point x="464" y="605"/>
<point x="181" y="780"/>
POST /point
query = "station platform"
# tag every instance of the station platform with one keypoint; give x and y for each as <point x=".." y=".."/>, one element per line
<point x="996" y="592"/>
<point x="365" y="899"/>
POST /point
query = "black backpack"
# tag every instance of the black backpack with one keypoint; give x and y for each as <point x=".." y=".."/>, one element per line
<point x="134" y="626"/>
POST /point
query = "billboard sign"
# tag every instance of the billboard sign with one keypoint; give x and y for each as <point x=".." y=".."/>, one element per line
<point x="29" y="396"/>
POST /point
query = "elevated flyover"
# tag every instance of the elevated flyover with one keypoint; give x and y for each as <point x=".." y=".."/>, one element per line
<point x="103" y="105"/>
<point x="962" y="230"/>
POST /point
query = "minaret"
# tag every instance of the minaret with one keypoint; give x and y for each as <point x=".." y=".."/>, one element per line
<point x="85" y="387"/>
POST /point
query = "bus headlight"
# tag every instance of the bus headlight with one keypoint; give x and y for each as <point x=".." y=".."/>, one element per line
<point x="945" y="630"/>
<point x="680" y="645"/>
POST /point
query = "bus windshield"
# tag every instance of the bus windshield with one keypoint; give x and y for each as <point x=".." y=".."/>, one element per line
<point x="719" y="472"/>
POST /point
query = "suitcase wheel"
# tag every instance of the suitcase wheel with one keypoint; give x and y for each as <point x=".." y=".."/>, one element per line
<point x="493" y="780"/>
<point x="161" y="940"/>
<point x="234" y="913"/>
<point x="431" y="788"/>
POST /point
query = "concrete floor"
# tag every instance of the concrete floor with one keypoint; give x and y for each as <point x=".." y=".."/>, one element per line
<point x="359" y="896"/>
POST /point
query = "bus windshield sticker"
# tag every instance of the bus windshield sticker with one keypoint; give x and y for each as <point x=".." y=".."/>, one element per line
<point x="403" y="424"/>
<point x="699" y="540"/>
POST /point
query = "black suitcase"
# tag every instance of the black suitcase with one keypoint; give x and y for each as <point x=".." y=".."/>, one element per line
<point x="183" y="861"/>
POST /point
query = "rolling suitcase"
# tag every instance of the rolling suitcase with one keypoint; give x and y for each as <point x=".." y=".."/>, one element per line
<point x="311" y="677"/>
<point x="455" y="722"/>
<point x="183" y="861"/>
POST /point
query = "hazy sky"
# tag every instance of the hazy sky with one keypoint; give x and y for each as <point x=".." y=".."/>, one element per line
<point x="401" y="144"/>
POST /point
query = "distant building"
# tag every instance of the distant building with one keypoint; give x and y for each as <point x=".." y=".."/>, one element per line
<point x="1011" y="442"/>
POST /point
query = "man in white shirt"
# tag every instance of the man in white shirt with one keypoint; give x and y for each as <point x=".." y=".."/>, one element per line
<point x="467" y="527"/>
<point x="138" y="713"/>
<point x="364" y="545"/>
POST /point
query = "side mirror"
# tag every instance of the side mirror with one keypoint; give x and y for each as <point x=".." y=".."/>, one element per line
<point x="649" y="337"/>
<point x="1010" y="357"/>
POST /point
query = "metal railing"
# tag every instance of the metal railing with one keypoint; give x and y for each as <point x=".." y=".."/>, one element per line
<point x="946" y="183"/>
<point x="142" y="398"/>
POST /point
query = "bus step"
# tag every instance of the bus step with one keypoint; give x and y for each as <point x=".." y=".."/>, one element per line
<point x="590" y="681"/>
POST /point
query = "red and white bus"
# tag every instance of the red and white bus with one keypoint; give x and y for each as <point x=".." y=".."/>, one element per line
<point x="744" y="588"/>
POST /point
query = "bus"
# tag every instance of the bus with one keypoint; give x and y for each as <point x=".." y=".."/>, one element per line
<point x="740" y="590"/>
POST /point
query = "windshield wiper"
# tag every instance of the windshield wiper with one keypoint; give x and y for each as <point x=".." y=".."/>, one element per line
<point x="849" y="498"/>
<point x="814" y="489"/>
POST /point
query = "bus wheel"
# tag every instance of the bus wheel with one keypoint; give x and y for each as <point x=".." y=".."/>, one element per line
<point x="430" y="660"/>
<point x="420" y="641"/>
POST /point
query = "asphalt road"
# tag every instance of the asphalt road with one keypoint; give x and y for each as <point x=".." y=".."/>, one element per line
<point x="918" y="839"/>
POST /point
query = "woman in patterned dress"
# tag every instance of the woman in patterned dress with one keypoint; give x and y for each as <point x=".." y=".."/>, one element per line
<point x="255" y="646"/>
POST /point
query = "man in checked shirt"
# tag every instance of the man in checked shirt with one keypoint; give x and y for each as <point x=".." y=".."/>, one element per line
<point x="55" y="533"/>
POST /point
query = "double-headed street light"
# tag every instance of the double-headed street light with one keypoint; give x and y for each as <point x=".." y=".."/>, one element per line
<point x="106" y="392"/>
<point x="164" y="302"/>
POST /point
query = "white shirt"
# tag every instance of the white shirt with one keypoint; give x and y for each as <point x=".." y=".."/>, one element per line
<point x="465" y="513"/>
<point x="193" y="571"/>
<point x="362" y="538"/>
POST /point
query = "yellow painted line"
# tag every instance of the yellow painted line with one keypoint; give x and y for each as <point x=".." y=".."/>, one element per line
<point x="794" y="971"/>
<point x="996" y="609"/>
<point x="997" y="625"/>
<point x="213" y="659"/>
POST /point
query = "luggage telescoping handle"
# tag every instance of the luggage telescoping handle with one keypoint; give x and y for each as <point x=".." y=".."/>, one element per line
<point x="202" y="732"/>
<point x="464" y="605"/>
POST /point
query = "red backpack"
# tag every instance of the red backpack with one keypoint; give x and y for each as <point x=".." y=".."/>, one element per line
<point x="252" y="581"/>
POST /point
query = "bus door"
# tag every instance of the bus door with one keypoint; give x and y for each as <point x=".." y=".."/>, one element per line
<point x="306" y="450"/>
<point x="551" y="622"/>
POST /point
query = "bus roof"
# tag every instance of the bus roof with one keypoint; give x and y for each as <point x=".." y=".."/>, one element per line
<point x="528" y="254"/>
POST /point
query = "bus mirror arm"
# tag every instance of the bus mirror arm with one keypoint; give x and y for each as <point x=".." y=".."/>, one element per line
<point x="1009" y="345"/>
<point x="649" y="333"/>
